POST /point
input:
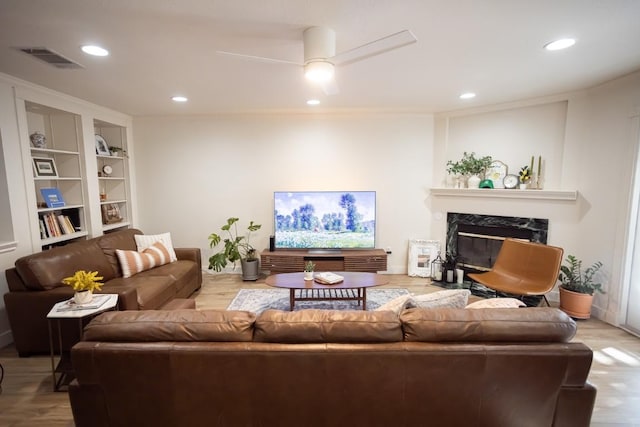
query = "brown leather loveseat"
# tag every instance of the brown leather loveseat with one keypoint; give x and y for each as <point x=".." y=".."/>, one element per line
<point x="35" y="284"/>
<point x="439" y="367"/>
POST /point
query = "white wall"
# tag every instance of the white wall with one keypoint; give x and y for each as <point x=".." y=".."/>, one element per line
<point x="17" y="197"/>
<point x="194" y="172"/>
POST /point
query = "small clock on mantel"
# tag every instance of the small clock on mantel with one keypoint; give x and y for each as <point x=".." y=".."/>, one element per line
<point x="510" y="181"/>
<point x="107" y="170"/>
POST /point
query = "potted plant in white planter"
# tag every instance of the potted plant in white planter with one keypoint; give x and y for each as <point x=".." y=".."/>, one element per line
<point x="472" y="167"/>
<point x="577" y="287"/>
<point x="524" y="177"/>
<point x="236" y="248"/>
<point x="117" y="151"/>
<point x="309" y="267"/>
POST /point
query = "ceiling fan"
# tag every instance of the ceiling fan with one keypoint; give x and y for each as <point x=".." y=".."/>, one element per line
<point x="320" y="56"/>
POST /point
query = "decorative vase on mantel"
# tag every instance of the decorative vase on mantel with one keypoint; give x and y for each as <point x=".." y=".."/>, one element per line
<point x="83" y="297"/>
<point x="473" y="181"/>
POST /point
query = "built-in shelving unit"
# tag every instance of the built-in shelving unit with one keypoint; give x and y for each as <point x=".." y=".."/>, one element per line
<point x="69" y="165"/>
<point x="571" y="195"/>
<point x="113" y="177"/>
<point x="58" y="165"/>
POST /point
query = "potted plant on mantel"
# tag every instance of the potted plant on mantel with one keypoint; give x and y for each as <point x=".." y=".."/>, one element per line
<point x="236" y="248"/>
<point x="472" y="167"/>
<point x="577" y="287"/>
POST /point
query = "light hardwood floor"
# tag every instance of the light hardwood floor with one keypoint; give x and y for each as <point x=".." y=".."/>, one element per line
<point x="27" y="399"/>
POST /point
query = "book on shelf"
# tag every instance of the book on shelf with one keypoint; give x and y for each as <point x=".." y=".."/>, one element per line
<point x="55" y="224"/>
<point x="328" y="278"/>
<point x="52" y="197"/>
<point x="43" y="229"/>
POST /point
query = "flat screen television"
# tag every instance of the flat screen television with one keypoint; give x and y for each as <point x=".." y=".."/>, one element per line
<point x="325" y="220"/>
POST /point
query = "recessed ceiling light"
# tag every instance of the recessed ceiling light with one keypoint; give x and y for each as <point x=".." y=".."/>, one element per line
<point x="467" y="95"/>
<point x="313" y="102"/>
<point x="179" y="98"/>
<point x="94" y="50"/>
<point x="560" y="44"/>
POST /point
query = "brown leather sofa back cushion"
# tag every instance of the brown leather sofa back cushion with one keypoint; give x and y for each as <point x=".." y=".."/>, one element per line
<point x="124" y="240"/>
<point x="487" y="325"/>
<point x="45" y="270"/>
<point x="171" y="325"/>
<point x="320" y="326"/>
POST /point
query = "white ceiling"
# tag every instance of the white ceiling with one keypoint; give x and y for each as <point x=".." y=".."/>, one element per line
<point x="160" y="48"/>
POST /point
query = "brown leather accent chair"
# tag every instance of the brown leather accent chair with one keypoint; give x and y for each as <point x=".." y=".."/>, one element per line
<point x="523" y="268"/>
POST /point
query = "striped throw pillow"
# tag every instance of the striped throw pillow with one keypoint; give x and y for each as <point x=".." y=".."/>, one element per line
<point x="143" y="241"/>
<point x="133" y="262"/>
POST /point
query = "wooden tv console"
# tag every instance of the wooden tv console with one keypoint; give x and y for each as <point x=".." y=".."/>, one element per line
<point x="290" y="261"/>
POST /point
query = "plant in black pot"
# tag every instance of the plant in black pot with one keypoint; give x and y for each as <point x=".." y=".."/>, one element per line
<point x="235" y="248"/>
<point x="577" y="287"/>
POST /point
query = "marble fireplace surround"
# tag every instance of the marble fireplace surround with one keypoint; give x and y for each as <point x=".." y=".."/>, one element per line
<point x="474" y="240"/>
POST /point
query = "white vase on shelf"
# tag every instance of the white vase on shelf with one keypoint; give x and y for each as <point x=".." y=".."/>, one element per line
<point x="473" y="181"/>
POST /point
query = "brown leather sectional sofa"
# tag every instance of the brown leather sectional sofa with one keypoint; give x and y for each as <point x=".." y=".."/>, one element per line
<point x="35" y="285"/>
<point x="437" y="367"/>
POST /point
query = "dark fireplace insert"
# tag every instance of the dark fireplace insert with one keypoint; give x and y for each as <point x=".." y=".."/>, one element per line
<point x="474" y="240"/>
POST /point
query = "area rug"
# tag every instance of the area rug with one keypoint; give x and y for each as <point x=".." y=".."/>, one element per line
<point x="259" y="300"/>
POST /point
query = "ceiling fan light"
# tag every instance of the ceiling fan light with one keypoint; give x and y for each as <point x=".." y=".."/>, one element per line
<point x="319" y="71"/>
<point x="560" y="44"/>
<point x="95" y="50"/>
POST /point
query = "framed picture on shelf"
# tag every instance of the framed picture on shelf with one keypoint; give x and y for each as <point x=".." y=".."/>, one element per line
<point x="421" y="253"/>
<point x="111" y="213"/>
<point x="102" y="148"/>
<point x="496" y="173"/>
<point x="44" y="167"/>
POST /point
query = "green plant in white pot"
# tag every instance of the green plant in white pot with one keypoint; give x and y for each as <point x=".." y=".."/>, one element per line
<point x="235" y="248"/>
<point x="577" y="287"/>
<point x="309" y="267"/>
<point x="470" y="166"/>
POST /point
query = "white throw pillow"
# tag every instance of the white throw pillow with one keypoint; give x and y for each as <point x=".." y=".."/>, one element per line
<point x="143" y="241"/>
<point x="497" y="303"/>
<point x="398" y="304"/>
<point x="452" y="298"/>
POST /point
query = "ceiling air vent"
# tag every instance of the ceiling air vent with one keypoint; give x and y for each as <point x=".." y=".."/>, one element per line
<point x="50" y="57"/>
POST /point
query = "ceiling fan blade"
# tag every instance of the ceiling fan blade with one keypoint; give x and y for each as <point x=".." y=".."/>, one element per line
<point x="257" y="58"/>
<point x="330" y="87"/>
<point x="376" y="47"/>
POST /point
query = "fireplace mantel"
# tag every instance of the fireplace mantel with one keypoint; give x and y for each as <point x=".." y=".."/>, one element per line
<point x="505" y="194"/>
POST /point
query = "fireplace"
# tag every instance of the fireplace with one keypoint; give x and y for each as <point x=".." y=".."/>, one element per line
<point x="475" y="240"/>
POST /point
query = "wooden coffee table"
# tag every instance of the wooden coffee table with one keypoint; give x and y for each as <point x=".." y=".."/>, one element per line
<point x="353" y="288"/>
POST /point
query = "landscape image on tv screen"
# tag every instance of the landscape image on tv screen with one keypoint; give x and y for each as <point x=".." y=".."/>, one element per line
<point x="325" y="219"/>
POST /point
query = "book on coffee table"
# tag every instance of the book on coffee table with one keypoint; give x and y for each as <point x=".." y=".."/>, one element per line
<point x="328" y="278"/>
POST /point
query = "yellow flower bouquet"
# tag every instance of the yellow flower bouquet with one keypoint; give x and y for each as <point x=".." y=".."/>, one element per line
<point x="84" y="281"/>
